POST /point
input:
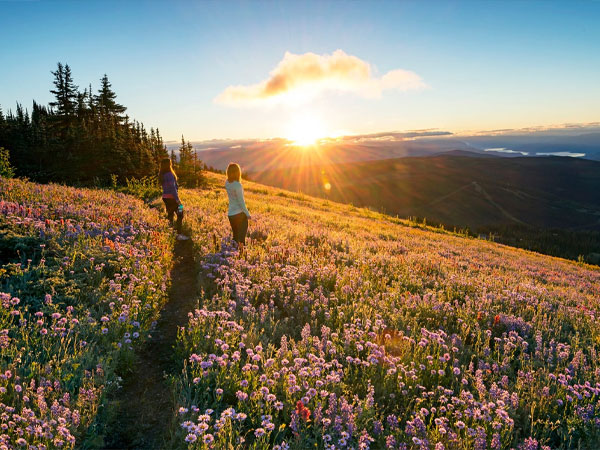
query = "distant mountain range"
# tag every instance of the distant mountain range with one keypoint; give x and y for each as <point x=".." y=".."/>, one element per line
<point x="499" y="183"/>
<point x="460" y="188"/>
<point x="276" y="154"/>
<point x="259" y="155"/>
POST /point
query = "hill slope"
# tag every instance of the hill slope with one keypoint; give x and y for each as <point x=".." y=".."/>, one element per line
<point x="462" y="191"/>
<point x="546" y="204"/>
<point x="83" y="275"/>
<point x="342" y="326"/>
<point x="278" y="153"/>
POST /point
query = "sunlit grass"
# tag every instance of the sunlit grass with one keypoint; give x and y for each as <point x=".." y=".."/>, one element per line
<point x="407" y="331"/>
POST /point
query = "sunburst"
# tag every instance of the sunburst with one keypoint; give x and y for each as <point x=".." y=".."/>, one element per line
<point x="306" y="130"/>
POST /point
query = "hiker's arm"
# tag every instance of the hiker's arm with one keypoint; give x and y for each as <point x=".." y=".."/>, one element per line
<point x="242" y="202"/>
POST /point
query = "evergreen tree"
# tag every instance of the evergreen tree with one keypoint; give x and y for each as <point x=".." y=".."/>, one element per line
<point x="90" y="98"/>
<point x="20" y="138"/>
<point x="160" y="149"/>
<point x="64" y="90"/>
<point x="65" y="93"/>
<point x="190" y="167"/>
<point x="185" y="153"/>
<point x="82" y="104"/>
<point x="90" y="133"/>
<point x="39" y="138"/>
<point x="106" y="100"/>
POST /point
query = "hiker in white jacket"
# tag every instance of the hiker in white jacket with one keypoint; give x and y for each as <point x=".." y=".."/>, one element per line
<point x="238" y="213"/>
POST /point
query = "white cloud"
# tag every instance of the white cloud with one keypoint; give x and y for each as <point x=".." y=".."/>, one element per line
<point x="298" y="78"/>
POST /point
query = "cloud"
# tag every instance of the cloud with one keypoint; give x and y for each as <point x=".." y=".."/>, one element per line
<point x="395" y="136"/>
<point x="298" y="78"/>
<point x="564" y="128"/>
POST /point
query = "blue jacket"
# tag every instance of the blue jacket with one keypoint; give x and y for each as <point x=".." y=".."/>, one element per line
<point x="169" y="186"/>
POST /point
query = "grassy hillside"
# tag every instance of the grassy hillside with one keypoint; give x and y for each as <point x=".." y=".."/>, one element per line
<point x="82" y="278"/>
<point x="342" y="328"/>
<point x="548" y="205"/>
<point x="462" y="191"/>
<point x="346" y="328"/>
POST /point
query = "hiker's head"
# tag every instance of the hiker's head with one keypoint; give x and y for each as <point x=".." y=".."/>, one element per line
<point x="234" y="173"/>
<point x="166" y="166"/>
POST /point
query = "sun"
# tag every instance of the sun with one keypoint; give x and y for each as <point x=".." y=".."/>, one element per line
<point x="306" y="129"/>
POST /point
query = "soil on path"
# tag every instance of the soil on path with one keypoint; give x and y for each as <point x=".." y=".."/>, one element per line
<point x="145" y="406"/>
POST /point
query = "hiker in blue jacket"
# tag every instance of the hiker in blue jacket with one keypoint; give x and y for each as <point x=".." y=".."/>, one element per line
<point x="168" y="180"/>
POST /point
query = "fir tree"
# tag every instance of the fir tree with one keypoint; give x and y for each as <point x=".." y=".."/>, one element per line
<point x="185" y="153"/>
<point x="190" y="167"/>
<point x="90" y="98"/>
<point x="160" y="147"/>
<point x="65" y="93"/>
<point x="106" y="100"/>
<point x="64" y="90"/>
<point x="90" y="134"/>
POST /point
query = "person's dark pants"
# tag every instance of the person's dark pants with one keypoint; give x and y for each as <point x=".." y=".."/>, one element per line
<point x="172" y="208"/>
<point x="239" y="226"/>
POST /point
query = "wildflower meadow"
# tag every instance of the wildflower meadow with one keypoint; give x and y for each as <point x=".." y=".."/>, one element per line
<point x="344" y="328"/>
<point x="83" y="277"/>
<point x="341" y="328"/>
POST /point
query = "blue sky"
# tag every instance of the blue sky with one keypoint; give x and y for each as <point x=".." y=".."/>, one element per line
<point x="486" y="65"/>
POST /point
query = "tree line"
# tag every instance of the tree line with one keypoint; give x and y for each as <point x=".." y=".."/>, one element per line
<point x="86" y="137"/>
<point x="582" y="245"/>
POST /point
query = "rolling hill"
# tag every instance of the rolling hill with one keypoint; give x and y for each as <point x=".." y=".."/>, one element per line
<point x="546" y="192"/>
<point x="546" y="204"/>
<point x="278" y="153"/>
<point x="340" y="326"/>
<point x="269" y="154"/>
<point x="343" y="326"/>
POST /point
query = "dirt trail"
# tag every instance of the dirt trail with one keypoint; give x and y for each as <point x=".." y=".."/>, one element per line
<point x="145" y="406"/>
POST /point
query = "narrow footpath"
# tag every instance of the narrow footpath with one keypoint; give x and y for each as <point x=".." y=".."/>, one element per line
<point x="144" y="407"/>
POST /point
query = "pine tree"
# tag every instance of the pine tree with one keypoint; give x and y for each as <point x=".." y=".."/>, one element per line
<point x="106" y="101"/>
<point x="3" y="129"/>
<point x="190" y="167"/>
<point x="185" y="158"/>
<point x="161" y="148"/>
<point x="39" y="147"/>
<point x="173" y="158"/>
<point x="185" y="153"/>
<point x="65" y="91"/>
<point x="82" y="104"/>
<point x="6" y="169"/>
<point x="90" y="133"/>
<point x="90" y="98"/>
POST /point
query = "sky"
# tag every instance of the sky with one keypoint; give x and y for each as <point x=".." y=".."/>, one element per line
<point x="218" y="70"/>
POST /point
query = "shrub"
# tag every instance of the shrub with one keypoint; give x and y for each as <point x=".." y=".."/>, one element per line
<point x="145" y="188"/>
<point x="6" y="170"/>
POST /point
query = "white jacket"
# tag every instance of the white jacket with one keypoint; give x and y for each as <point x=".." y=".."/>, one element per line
<point x="235" y="192"/>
